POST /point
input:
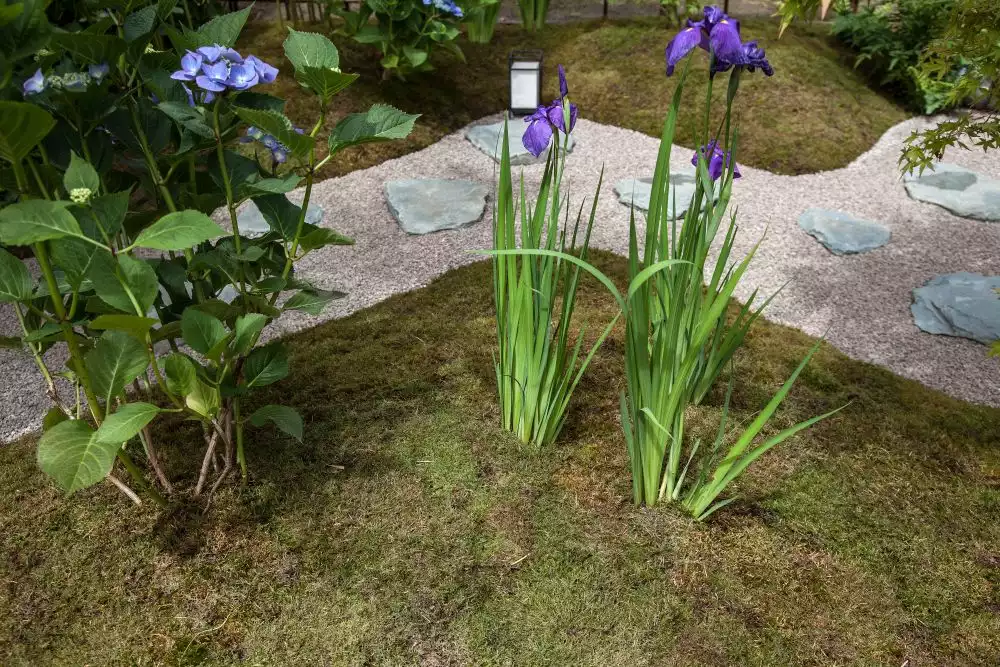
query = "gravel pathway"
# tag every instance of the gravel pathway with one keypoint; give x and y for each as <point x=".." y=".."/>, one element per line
<point x="861" y="301"/>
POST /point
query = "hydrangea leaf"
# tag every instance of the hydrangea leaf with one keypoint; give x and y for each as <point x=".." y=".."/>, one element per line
<point x="35" y="220"/>
<point x="265" y="365"/>
<point x="24" y="125"/>
<point x="312" y="301"/>
<point x="309" y="49"/>
<point x="69" y="454"/>
<point x="15" y="281"/>
<point x="80" y="175"/>
<point x="380" y="123"/>
<point x="125" y="423"/>
<point x="116" y="360"/>
<point x="284" y="417"/>
<point x="178" y="231"/>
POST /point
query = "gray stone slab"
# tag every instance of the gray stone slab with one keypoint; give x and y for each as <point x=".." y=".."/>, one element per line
<point x="959" y="304"/>
<point x="253" y="225"/>
<point x="963" y="192"/>
<point x="422" y="206"/>
<point x="843" y="234"/>
<point x="637" y="192"/>
<point x="488" y="139"/>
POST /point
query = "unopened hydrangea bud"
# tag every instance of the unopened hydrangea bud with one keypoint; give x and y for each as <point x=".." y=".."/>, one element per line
<point x="80" y="195"/>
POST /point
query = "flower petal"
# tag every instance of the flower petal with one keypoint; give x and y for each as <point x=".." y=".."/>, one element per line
<point x="724" y="40"/>
<point x="537" y="136"/>
<point x="683" y="43"/>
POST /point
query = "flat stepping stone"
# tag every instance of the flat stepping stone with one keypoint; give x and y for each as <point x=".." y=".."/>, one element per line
<point x="959" y="304"/>
<point x="843" y="234"/>
<point x="637" y="192"/>
<point x="489" y="139"/>
<point x="422" y="206"/>
<point x="959" y="190"/>
<point x="253" y="225"/>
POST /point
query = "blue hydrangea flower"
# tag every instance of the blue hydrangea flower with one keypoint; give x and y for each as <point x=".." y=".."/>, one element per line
<point x="266" y="73"/>
<point x="217" y="69"/>
<point x="242" y="76"/>
<point x="98" y="72"/>
<point x="213" y="77"/>
<point x="279" y="152"/>
<point x="446" y="6"/>
<point x="34" y="84"/>
<point x="190" y="67"/>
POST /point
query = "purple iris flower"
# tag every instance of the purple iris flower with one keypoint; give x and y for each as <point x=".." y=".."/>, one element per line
<point x="538" y="133"/>
<point x="718" y="160"/>
<point x="265" y="72"/>
<point x="563" y="86"/>
<point x="98" y="72"/>
<point x="242" y="76"/>
<point x="724" y="40"/>
<point x="720" y="35"/>
<point x="558" y="118"/>
<point x="753" y="57"/>
<point x="34" y="84"/>
<point x="214" y="76"/>
<point x="684" y="43"/>
<point x="190" y="67"/>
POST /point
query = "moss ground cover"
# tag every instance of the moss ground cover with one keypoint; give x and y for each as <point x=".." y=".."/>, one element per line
<point x="815" y="114"/>
<point x="410" y="529"/>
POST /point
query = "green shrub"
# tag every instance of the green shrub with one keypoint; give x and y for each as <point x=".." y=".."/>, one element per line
<point x="405" y="31"/>
<point x="890" y="39"/>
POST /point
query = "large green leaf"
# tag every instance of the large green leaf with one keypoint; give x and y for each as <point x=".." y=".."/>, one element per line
<point x="380" y="123"/>
<point x="116" y="360"/>
<point x="203" y="399"/>
<point x="323" y="81"/>
<point x="281" y="215"/>
<point x="224" y="29"/>
<point x="75" y="257"/>
<point x="281" y="185"/>
<point x="110" y="281"/>
<point x="125" y="423"/>
<point x="178" y="231"/>
<point x="23" y="126"/>
<point x="35" y="220"/>
<point x="265" y="365"/>
<point x="314" y="237"/>
<point x="187" y="117"/>
<point x="284" y="417"/>
<point x="246" y="330"/>
<point x="15" y="281"/>
<point x="80" y="175"/>
<point x="182" y="376"/>
<point x="88" y="48"/>
<point x="69" y="454"/>
<point x="133" y="325"/>
<point x="278" y="126"/>
<point x="201" y="331"/>
<point x="312" y="301"/>
<point x="309" y="49"/>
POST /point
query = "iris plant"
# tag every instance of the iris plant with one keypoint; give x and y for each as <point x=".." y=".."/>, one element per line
<point x="559" y="116"/>
<point x="538" y="365"/>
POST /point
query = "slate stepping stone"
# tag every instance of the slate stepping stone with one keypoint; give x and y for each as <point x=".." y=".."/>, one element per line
<point x="637" y="192"/>
<point x="489" y="139"/>
<point x="843" y="234"/>
<point x="422" y="206"/>
<point x="959" y="304"/>
<point x="253" y="225"/>
<point x="963" y="192"/>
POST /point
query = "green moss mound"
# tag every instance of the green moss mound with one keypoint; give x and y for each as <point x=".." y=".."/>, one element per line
<point x="816" y="113"/>
<point x="409" y="529"/>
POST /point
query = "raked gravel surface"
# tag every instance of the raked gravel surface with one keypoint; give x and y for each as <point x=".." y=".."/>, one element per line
<point x="861" y="302"/>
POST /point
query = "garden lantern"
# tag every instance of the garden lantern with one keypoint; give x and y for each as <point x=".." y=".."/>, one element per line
<point x="525" y="81"/>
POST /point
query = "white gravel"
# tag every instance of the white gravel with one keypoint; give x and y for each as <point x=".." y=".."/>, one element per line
<point x="862" y="302"/>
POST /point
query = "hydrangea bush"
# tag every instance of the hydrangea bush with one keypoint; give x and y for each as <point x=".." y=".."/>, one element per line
<point x="117" y="144"/>
<point x="405" y="31"/>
